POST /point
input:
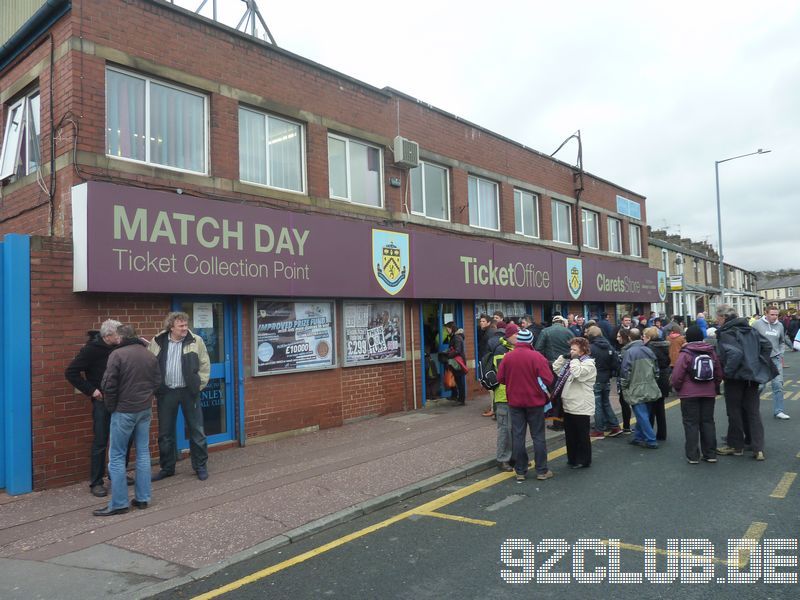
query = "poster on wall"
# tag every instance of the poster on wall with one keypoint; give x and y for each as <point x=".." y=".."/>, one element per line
<point x="293" y="336"/>
<point x="373" y="332"/>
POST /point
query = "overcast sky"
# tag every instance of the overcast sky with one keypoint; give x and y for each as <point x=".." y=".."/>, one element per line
<point x="659" y="91"/>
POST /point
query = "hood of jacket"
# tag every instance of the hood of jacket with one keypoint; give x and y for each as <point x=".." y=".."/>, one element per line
<point x="699" y="348"/>
<point x="737" y="323"/>
<point x="601" y="342"/>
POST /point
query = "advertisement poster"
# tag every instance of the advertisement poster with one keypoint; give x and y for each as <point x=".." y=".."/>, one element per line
<point x="293" y="336"/>
<point x="373" y="332"/>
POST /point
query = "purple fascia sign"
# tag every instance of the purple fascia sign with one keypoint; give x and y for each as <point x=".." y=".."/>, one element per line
<point x="136" y="240"/>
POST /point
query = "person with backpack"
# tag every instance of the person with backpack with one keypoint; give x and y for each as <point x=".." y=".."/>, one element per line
<point x="745" y="357"/>
<point x="457" y="354"/>
<point x="696" y="378"/>
<point x="639" y="383"/>
<point x="606" y="361"/>
<point x="502" y="345"/>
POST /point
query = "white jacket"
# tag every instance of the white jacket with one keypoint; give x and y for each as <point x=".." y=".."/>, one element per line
<point x="578" y="394"/>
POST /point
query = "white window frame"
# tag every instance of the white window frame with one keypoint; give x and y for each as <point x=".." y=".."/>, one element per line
<point x="535" y="199"/>
<point x="422" y="165"/>
<point x="303" y="173"/>
<point x="148" y="81"/>
<point x="680" y="261"/>
<point x="665" y="261"/>
<point x="709" y="273"/>
<point x="584" y="227"/>
<point x="638" y="231"/>
<point x="615" y="224"/>
<point x="554" y="218"/>
<point x="496" y="187"/>
<point x="13" y="139"/>
<point x="349" y="198"/>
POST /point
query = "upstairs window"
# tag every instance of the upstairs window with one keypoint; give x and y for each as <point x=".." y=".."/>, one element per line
<point x="355" y="171"/>
<point x="20" y="153"/>
<point x="591" y="228"/>
<point x="615" y="238"/>
<point x="270" y="151"/>
<point x="430" y="192"/>
<point x="155" y="123"/>
<point x="636" y="240"/>
<point x="484" y="207"/>
<point x="562" y="222"/>
<point x="526" y="213"/>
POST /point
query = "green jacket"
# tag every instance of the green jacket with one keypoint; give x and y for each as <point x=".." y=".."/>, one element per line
<point x="639" y="374"/>
<point x="499" y="352"/>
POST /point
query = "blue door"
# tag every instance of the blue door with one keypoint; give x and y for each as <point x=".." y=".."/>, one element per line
<point x="211" y="318"/>
<point x="433" y="316"/>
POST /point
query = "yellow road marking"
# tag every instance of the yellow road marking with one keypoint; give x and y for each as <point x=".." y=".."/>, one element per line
<point x="636" y="548"/>
<point x="425" y="509"/>
<point x="754" y="532"/>
<point x="458" y="518"/>
<point x="798" y="455"/>
<point x="797" y="396"/>
<point x="783" y="486"/>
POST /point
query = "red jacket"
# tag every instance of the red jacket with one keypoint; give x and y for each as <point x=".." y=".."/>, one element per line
<point x="681" y="378"/>
<point x="519" y="372"/>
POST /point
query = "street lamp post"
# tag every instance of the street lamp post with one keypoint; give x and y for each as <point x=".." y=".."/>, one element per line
<point x="719" y="218"/>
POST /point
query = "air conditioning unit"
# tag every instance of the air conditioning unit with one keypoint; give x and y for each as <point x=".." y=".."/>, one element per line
<point x="406" y="153"/>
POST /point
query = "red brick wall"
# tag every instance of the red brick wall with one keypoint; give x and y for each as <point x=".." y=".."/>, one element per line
<point x="62" y="416"/>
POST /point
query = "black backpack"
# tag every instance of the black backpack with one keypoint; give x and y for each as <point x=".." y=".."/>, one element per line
<point x="487" y="372"/>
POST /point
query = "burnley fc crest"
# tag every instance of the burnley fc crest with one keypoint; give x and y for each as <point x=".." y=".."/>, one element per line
<point x="390" y="259"/>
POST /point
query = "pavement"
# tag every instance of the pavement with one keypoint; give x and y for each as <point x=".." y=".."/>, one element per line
<point x="265" y="495"/>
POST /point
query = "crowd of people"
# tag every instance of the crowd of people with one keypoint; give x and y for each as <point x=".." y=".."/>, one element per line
<point x="563" y="373"/>
<point x="121" y="373"/>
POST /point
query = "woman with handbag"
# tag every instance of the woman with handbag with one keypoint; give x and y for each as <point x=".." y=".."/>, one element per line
<point x="578" y="373"/>
<point x="457" y="361"/>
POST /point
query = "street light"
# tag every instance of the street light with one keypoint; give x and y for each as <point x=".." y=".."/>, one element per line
<point x="719" y="217"/>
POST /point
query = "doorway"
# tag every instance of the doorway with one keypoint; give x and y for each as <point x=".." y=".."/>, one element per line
<point x="211" y="318"/>
<point x="433" y="317"/>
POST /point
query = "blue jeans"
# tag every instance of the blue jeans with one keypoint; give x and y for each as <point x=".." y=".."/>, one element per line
<point x="503" y="432"/>
<point x="604" y="417"/>
<point x="523" y="419"/>
<point x="643" y="432"/>
<point x="123" y="426"/>
<point x="777" y="386"/>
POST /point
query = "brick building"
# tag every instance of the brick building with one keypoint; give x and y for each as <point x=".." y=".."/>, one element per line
<point x="319" y="231"/>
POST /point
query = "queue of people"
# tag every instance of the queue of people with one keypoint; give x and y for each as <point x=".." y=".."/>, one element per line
<point x="122" y="373"/>
<point x="575" y="372"/>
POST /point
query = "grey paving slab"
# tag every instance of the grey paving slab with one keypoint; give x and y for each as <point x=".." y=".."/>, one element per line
<point x="105" y="557"/>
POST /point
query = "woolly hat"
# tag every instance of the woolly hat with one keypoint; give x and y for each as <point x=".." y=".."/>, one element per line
<point x="524" y="337"/>
<point x="694" y="334"/>
<point x="511" y="329"/>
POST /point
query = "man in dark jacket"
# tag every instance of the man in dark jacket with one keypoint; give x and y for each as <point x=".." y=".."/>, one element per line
<point x="554" y="341"/>
<point x="745" y="357"/>
<point x="185" y="369"/>
<point x="607" y="328"/>
<point x="85" y="373"/>
<point x="131" y="378"/>
<point x="606" y="361"/>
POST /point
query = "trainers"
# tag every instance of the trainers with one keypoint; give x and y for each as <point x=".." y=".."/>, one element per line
<point x="597" y="434"/>
<point x="728" y="451"/>
<point x="692" y="461"/>
<point x="520" y="477"/>
<point x="759" y="456"/>
<point x="782" y="415"/>
<point x="652" y="446"/>
<point x="710" y="459"/>
<point x="546" y="475"/>
<point x="487" y="413"/>
<point x="627" y="431"/>
<point x="614" y="432"/>
<point x="504" y="466"/>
